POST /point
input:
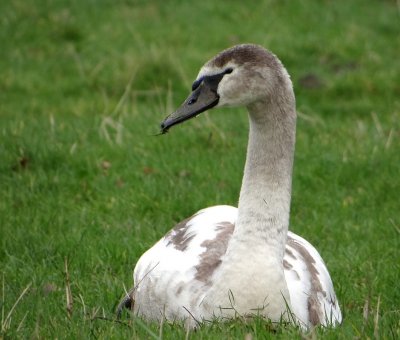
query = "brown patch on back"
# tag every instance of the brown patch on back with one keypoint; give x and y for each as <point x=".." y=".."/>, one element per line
<point x="290" y="253"/>
<point x="246" y="53"/>
<point x="313" y="304"/>
<point x="287" y="265"/>
<point x="177" y="236"/>
<point x="210" y="259"/>
<point x="314" y="310"/>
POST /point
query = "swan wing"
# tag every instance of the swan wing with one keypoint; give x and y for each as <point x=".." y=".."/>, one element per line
<point x="177" y="270"/>
<point x="313" y="299"/>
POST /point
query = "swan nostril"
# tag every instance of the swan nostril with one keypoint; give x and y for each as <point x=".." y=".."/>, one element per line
<point x="192" y="101"/>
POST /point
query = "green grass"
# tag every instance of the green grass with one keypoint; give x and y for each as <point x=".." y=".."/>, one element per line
<point x="83" y="181"/>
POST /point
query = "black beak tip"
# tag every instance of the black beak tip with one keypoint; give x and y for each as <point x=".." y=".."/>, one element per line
<point x="163" y="127"/>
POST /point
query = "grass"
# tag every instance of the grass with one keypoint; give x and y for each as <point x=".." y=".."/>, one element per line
<point x="86" y="188"/>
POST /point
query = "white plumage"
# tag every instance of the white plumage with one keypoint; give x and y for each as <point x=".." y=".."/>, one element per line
<point x="225" y="261"/>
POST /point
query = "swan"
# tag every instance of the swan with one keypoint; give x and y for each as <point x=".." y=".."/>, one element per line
<point x="225" y="261"/>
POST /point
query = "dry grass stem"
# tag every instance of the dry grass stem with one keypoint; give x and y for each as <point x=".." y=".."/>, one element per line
<point x="376" y="321"/>
<point x="377" y="123"/>
<point x="5" y="323"/>
<point x="366" y="310"/>
<point x="68" y="292"/>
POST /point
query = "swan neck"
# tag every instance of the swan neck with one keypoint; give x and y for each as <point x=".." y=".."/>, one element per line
<point x="252" y="267"/>
<point x="264" y="203"/>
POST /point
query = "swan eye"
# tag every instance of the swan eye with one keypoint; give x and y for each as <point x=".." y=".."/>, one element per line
<point x="228" y="70"/>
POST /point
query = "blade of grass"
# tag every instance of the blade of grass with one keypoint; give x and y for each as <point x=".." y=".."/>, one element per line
<point x="4" y="324"/>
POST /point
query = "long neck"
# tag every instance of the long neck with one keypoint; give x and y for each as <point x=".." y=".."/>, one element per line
<point x="252" y="268"/>
<point x="264" y="202"/>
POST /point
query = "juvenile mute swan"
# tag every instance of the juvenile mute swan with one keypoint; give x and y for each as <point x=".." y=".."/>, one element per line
<point x="225" y="261"/>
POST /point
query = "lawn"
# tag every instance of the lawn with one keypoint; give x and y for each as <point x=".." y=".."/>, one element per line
<point x="86" y="186"/>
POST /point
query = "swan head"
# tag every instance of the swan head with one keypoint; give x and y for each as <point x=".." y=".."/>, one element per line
<point x="238" y="76"/>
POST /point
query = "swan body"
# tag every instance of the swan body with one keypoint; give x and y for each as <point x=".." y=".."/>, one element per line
<point x="225" y="261"/>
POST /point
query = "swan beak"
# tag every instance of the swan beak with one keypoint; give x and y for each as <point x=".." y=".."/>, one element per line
<point x="201" y="99"/>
